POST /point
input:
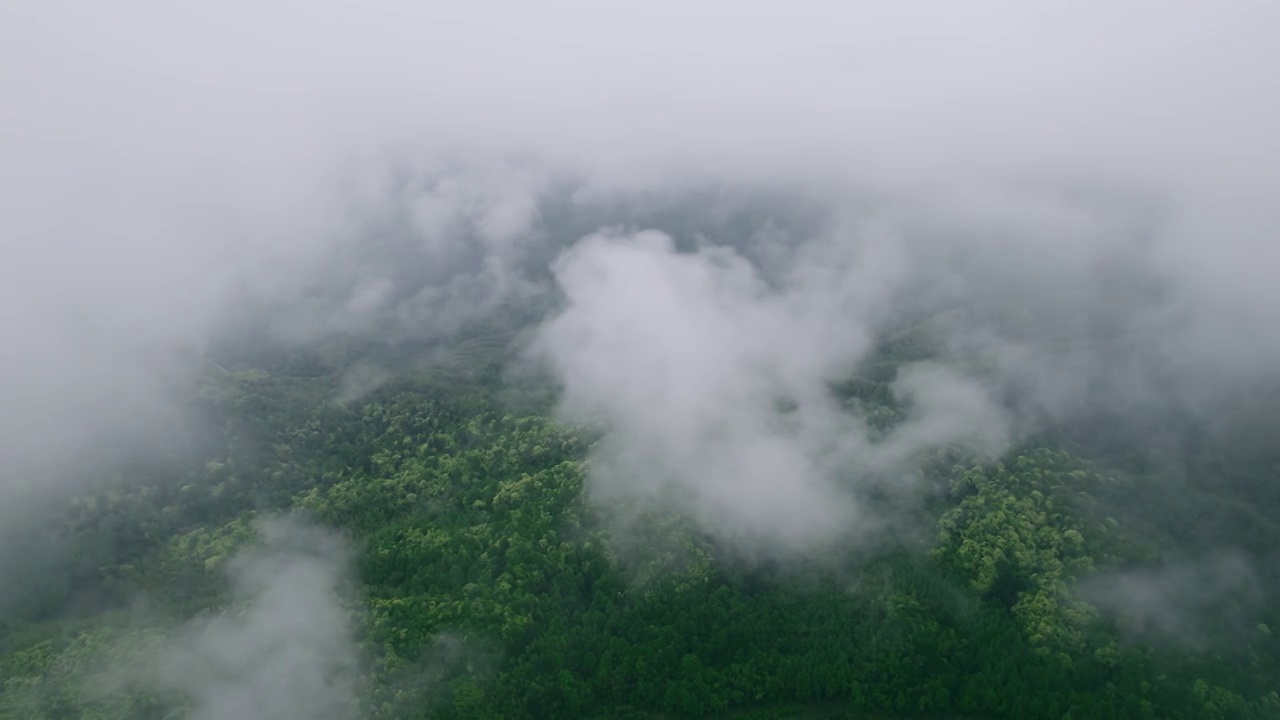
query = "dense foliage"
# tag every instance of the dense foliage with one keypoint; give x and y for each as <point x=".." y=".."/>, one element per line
<point x="486" y="587"/>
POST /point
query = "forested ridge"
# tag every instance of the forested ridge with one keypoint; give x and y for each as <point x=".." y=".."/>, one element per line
<point x="483" y="584"/>
<point x="639" y="361"/>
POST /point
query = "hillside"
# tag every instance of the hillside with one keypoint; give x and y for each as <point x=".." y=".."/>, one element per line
<point x="429" y="550"/>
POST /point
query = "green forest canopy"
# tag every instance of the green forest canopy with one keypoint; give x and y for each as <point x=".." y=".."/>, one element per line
<point x="483" y="585"/>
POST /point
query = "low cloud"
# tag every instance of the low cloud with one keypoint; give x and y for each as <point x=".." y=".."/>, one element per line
<point x="1188" y="601"/>
<point x="716" y="385"/>
<point x="392" y="172"/>
<point x="285" y="647"/>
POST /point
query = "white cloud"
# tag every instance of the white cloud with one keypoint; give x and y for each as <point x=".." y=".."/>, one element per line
<point x="161" y="157"/>
<point x="690" y="359"/>
<point x="285" y="649"/>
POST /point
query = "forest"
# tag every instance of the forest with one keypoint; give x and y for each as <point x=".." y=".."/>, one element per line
<point x="441" y="522"/>
<point x="506" y="360"/>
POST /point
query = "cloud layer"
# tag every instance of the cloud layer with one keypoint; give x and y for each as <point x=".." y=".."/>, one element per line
<point x="399" y="169"/>
<point x="287" y="646"/>
<point x="717" y="387"/>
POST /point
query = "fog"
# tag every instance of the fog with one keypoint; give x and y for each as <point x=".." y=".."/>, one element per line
<point x="405" y="168"/>
<point x="1191" y="602"/>
<point x="688" y="356"/>
<point x="286" y="648"/>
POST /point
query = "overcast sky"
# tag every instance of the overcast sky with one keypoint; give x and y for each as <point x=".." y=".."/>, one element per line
<point x="262" y="88"/>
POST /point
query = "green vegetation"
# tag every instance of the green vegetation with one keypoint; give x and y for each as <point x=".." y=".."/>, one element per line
<point x="488" y="588"/>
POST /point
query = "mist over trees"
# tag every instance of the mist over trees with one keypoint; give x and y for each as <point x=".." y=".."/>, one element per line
<point x="719" y="361"/>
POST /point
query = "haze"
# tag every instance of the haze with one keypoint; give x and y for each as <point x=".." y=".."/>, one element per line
<point x="160" y="161"/>
<point x="395" y="169"/>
